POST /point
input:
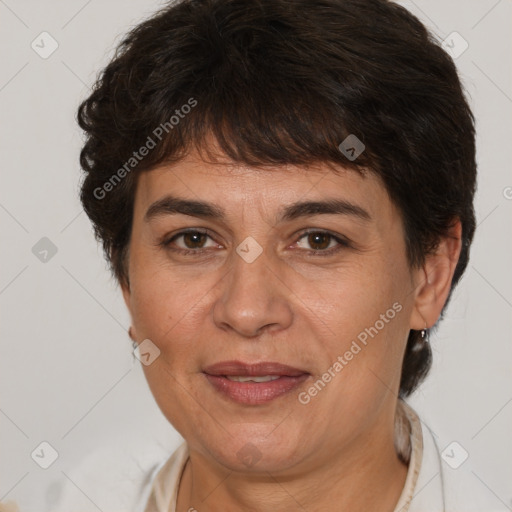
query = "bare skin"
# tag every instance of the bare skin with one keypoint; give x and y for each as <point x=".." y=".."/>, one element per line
<point x="290" y="305"/>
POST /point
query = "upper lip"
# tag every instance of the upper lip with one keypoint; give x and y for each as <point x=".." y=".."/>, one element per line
<point x="237" y="368"/>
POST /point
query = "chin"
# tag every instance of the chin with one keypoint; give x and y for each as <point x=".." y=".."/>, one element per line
<point x="247" y="452"/>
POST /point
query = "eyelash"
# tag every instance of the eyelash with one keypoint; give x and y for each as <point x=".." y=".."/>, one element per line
<point x="196" y="252"/>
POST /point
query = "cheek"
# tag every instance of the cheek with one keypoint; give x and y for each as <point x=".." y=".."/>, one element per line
<point x="366" y="312"/>
<point x="362" y="353"/>
<point x="168" y="306"/>
<point x="352" y="300"/>
<point x="168" y="309"/>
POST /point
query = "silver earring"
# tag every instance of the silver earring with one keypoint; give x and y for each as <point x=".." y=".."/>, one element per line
<point x="424" y="336"/>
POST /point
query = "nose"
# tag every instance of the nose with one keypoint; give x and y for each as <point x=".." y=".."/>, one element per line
<point x="253" y="299"/>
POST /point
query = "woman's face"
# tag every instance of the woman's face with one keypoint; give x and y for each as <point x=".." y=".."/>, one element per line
<point x="253" y="290"/>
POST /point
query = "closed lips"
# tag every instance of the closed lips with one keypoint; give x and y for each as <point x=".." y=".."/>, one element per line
<point x="253" y="384"/>
<point x="252" y="371"/>
<point x="263" y="378"/>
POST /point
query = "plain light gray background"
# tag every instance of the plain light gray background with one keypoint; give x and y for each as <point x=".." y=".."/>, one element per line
<point x="67" y="375"/>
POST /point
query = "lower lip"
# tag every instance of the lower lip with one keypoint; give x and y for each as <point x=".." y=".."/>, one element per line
<point x="255" y="393"/>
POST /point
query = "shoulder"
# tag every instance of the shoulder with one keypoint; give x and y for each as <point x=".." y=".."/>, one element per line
<point x="116" y="476"/>
<point x="446" y="480"/>
<point x="164" y="488"/>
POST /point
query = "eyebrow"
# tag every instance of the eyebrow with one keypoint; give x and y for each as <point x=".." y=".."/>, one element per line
<point x="171" y="205"/>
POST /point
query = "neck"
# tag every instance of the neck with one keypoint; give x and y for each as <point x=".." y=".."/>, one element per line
<point x="366" y="475"/>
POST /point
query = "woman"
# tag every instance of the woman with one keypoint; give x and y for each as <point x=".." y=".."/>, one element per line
<point x="284" y="191"/>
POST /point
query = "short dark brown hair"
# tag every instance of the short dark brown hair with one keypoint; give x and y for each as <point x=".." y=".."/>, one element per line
<point x="285" y="82"/>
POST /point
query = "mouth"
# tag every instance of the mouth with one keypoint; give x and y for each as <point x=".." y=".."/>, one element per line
<point x="254" y="384"/>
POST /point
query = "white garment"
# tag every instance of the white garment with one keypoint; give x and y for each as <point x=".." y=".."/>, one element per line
<point x="431" y="485"/>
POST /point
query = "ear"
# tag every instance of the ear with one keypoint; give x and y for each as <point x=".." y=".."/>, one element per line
<point x="125" y="288"/>
<point x="433" y="280"/>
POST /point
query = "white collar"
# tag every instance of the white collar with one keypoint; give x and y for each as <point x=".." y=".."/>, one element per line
<point x="423" y="488"/>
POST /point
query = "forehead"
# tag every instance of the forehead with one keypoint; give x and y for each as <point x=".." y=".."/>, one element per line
<point x="237" y="187"/>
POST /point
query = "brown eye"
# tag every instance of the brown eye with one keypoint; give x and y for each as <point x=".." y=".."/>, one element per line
<point x="194" y="239"/>
<point x="188" y="242"/>
<point x="322" y="242"/>
<point x="319" y="241"/>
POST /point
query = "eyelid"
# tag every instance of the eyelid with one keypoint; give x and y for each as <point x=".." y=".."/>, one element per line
<point x="341" y="240"/>
<point x="167" y="239"/>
